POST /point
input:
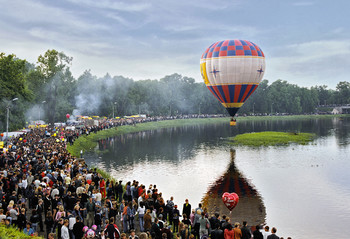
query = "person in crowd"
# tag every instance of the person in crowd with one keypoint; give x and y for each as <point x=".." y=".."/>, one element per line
<point x="204" y="225"/>
<point x="141" y="212"/>
<point x="49" y="222"/>
<point x="34" y="220"/>
<point x="132" y="212"/>
<point x="237" y="231"/>
<point x="156" y="230"/>
<point x="98" y="220"/>
<point x="111" y="230"/>
<point x="133" y="234"/>
<point x="246" y="233"/>
<point x="126" y="217"/>
<point x="51" y="236"/>
<point x="59" y="227"/>
<point x="22" y="219"/>
<point x="14" y="214"/>
<point x="78" y="228"/>
<point x="143" y="235"/>
<point x="90" y="209"/>
<point x="28" y="230"/>
<point x="216" y="232"/>
<point x="266" y="231"/>
<point x="40" y="211"/>
<point x="257" y="233"/>
<point x="65" y="230"/>
<point x="176" y="219"/>
<point x="147" y="221"/>
<point x="215" y="221"/>
<point x="186" y="209"/>
<point x="273" y="234"/>
<point x="229" y="232"/>
<point x="2" y="215"/>
<point x="71" y="222"/>
<point x="123" y="236"/>
<point x="196" y="224"/>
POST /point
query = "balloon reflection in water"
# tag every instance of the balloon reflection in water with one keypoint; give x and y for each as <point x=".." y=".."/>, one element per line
<point x="251" y="207"/>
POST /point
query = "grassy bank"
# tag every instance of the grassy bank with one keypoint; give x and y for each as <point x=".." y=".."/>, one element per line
<point x="13" y="232"/>
<point x="271" y="138"/>
<point x="88" y="143"/>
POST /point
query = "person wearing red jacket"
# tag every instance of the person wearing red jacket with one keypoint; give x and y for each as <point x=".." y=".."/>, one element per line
<point x="103" y="188"/>
<point x="111" y="230"/>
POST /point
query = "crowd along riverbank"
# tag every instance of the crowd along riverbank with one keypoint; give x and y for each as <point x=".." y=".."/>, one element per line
<point x="41" y="146"/>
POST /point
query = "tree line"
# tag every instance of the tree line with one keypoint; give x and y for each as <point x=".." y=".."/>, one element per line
<point x="47" y="90"/>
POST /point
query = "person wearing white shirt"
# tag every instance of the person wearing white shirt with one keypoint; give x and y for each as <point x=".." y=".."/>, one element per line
<point x="37" y="183"/>
<point x="24" y="182"/>
<point x="2" y="215"/>
<point x="98" y="198"/>
<point x="54" y="192"/>
<point x="141" y="212"/>
<point x="265" y="231"/>
<point x="64" y="230"/>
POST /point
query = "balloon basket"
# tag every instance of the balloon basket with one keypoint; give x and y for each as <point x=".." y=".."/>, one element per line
<point x="232" y="123"/>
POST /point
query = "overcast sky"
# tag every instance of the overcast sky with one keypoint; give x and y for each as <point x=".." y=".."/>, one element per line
<point x="306" y="42"/>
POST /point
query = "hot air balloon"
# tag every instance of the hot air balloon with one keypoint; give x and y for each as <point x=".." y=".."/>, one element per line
<point x="232" y="70"/>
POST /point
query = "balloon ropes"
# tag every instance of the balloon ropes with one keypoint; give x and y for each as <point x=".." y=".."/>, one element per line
<point x="232" y="70"/>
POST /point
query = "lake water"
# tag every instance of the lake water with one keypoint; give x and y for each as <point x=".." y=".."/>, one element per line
<point x="302" y="190"/>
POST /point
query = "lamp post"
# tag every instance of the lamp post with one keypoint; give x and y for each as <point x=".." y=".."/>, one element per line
<point x="7" y="118"/>
<point x="114" y="104"/>
<point x="40" y="108"/>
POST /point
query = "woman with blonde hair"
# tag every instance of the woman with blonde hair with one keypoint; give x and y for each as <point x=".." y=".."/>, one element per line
<point x="60" y="213"/>
<point x="10" y="206"/>
<point x="237" y="231"/>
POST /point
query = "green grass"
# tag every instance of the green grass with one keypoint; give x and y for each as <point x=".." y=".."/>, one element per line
<point x="14" y="233"/>
<point x="271" y="138"/>
<point x="103" y="173"/>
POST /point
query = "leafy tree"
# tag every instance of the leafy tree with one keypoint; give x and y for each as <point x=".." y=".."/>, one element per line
<point x="53" y="67"/>
<point x="13" y="85"/>
<point x="343" y="92"/>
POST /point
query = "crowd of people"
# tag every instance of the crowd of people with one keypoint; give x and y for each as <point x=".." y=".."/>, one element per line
<point x="45" y="191"/>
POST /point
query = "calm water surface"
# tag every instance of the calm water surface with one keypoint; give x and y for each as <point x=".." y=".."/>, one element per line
<point x="300" y="189"/>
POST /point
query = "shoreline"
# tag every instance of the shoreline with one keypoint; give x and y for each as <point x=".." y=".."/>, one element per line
<point x="88" y="143"/>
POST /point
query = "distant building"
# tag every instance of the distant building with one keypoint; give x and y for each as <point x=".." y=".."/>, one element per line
<point x="341" y="110"/>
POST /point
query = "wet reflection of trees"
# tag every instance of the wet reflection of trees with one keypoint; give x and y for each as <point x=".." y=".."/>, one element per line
<point x="250" y="208"/>
<point x="319" y="126"/>
<point x="342" y="130"/>
<point x="168" y="144"/>
<point x="181" y="143"/>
